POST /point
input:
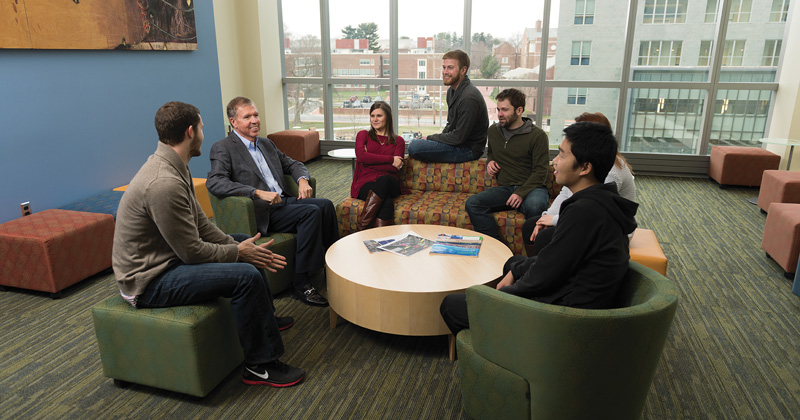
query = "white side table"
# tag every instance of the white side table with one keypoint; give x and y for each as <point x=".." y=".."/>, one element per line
<point x="344" y="154"/>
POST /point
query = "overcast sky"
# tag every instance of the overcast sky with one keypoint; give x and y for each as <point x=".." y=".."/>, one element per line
<point x="416" y="17"/>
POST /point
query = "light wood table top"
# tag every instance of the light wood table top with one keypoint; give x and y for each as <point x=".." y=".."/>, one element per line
<point x="400" y="294"/>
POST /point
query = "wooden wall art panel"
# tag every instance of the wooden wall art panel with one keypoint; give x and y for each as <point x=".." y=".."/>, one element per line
<point x="98" y="24"/>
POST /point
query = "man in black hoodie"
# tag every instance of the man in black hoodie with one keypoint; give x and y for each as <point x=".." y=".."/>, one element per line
<point x="587" y="258"/>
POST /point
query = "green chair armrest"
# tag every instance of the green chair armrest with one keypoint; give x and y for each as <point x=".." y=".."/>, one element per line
<point x="237" y="215"/>
<point x="292" y="188"/>
<point x="234" y="214"/>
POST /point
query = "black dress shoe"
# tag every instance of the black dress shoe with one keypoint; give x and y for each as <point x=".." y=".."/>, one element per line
<point x="284" y="322"/>
<point x="309" y="295"/>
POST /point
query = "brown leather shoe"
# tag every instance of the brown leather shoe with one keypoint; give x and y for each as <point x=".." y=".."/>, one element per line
<point x="383" y="222"/>
<point x="373" y="203"/>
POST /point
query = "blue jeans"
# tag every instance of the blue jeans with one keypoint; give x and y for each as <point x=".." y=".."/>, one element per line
<point x="244" y="284"/>
<point x="481" y="206"/>
<point x="433" y="151"/>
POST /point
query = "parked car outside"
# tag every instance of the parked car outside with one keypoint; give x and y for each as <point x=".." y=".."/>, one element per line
<point x="366" y="100"/>
<point x="347" y="104"/>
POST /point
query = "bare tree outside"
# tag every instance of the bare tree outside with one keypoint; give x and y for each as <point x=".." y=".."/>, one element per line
<point x="305" y="60"/>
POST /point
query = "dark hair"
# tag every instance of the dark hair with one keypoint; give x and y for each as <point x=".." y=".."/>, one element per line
<point x="235" y="103"/>
<point x="598" y="117"/>
<point x="593" y="143"/>
<point x="172" y="120"/>
<point x="515" y="96"/>
<point x="458" y="55"/>
<point x="384" y="106"/>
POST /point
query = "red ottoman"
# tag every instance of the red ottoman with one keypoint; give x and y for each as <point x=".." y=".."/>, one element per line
<point x="733" y="165"/>
<point x="54" y="249"/>
<point x="297" y="144"/>
<point x="779" y="187"/>
<point x="782" y="235"/>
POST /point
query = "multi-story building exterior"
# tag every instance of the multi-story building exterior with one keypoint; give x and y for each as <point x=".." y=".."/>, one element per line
<point x="673" y="41"/>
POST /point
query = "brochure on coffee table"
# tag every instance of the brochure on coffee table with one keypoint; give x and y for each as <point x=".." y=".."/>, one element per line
<point x="408" y="245"/>
<point x="457" y="245"/>
<point x="373" y="245"/>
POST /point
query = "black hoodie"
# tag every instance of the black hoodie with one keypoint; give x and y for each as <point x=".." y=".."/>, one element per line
<point x="587" y="259"/>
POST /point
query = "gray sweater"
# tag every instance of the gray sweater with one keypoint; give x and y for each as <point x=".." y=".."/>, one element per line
<point x="160" y="224"/>
<point x="467" y="118"/>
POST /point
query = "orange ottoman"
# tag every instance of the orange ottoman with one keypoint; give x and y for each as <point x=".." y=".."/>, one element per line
<point x="734" y="165"/>
<point x="779" y="187"/>
<point x="781" y="238"/>
<point x="646" y="250"/>
<point x="297" y="144"/>
<point x="54" y="249"/>
<point x="200" y="191"/>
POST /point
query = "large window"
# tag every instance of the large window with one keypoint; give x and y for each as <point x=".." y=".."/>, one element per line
<point x="733" y="54"/>
<point x="772" y="52"/>
<point x="580" y="53"/>
<point x="660" y="53"/>
<point x="664" y="11"/>
<point x="652" y="72"/>
<point x="711" y="11"/>
<point x="740" y="10"/>
<point x="780" y="9"/>
<point x="705" y="53"/>
<point x="740" y="117"/>
<point x="665" y="120"/>
<point x="584" y="12"/>
<point x="576" y="96"/>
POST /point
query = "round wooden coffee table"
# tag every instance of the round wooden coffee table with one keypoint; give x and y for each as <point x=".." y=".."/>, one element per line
<point x="399" y="294"/>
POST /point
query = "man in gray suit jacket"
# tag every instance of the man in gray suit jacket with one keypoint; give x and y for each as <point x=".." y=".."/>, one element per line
<point x="244" y="164"/>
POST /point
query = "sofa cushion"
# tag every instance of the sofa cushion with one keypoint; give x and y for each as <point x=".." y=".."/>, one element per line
<point x="466" y="177"/>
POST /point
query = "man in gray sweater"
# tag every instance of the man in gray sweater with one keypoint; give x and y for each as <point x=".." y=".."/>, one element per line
<point x="464" y="137"/>
<point x="167" y="253"/>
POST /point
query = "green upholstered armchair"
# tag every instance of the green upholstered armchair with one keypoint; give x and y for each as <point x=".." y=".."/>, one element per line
<point x="526" y="359"/>
<point x="237" y="215"/>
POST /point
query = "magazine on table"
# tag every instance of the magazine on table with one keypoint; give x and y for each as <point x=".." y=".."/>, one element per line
<point x="457" y="245"/>
<point x="408" y="245"/>
<point x="373" y="245"/>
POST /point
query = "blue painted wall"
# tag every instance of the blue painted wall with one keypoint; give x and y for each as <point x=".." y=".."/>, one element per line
<point x="75" y="123"/>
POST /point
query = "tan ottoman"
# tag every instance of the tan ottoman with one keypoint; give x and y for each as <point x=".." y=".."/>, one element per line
<point x="781" y="238"/>
<point x="733" y="165"/>
<point x="779" y="187"/>
<point x="200" y="191"/>
<point x="297" y="144"/>
<point x="54" y="249"/>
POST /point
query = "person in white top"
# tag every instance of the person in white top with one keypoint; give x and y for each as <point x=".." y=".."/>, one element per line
<point x="535" y="232"/>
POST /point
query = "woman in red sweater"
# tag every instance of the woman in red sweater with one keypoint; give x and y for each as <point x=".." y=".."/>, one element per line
<point x="379" y="157"/>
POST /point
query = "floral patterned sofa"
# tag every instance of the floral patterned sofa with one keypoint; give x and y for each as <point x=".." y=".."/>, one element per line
<point x="438" y="194"/>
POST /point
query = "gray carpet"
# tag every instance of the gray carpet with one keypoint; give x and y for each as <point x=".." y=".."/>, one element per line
<point x="732" y="352"/>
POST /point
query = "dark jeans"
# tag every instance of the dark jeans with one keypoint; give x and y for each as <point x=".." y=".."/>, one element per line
<point x="387" y="187"/>
<point x="454" y="307"/>
<point x="434" y="151"/>
<point x="244" y="284"/>
<point x="314" y="222"/>
<point x="542" y="239"/>
<point x="481" y="207"/>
